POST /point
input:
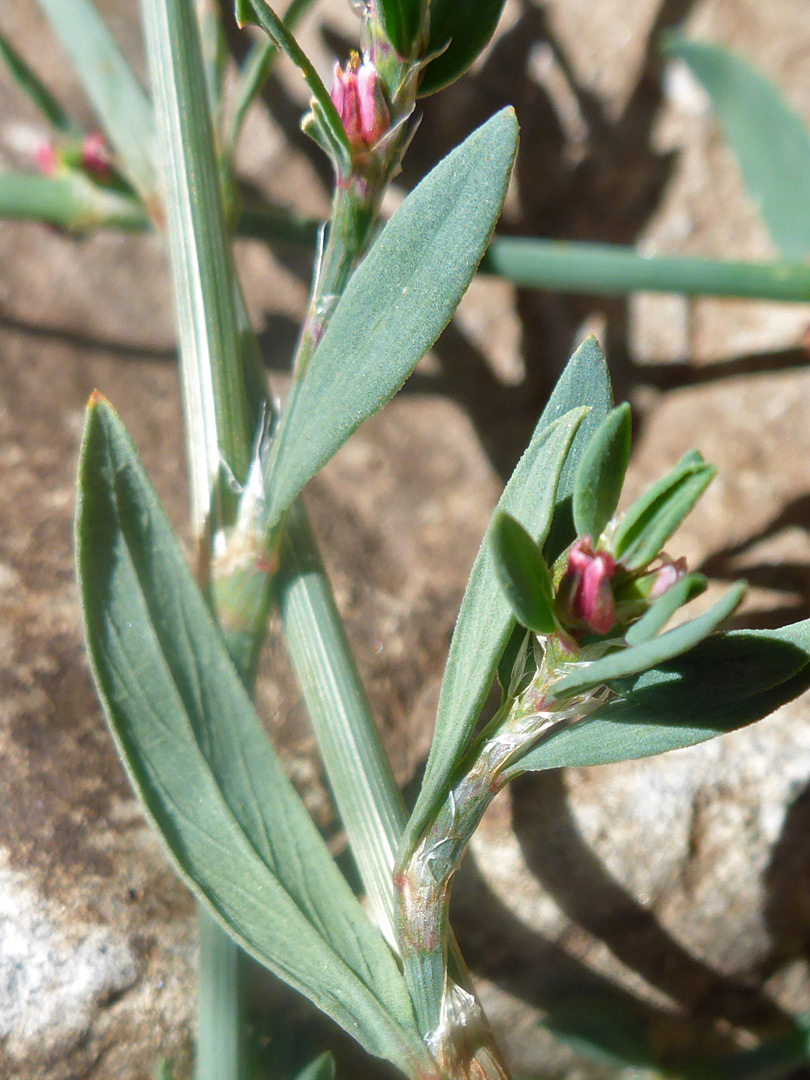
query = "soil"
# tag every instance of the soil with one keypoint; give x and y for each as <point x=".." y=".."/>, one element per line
<point x="674" y="890"/>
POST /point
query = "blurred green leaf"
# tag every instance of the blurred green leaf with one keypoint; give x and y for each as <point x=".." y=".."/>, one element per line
<point x="602" y="1028"/>
<point x="70" y="202"/>
<point x="259" y="12"/>
<point x="600" y="474"/>
<point x="722" y="684"/>
<point x="485" y="620"/>
<point x="118" y="98"/>
<point x="459" y="30"/>
<point x="41" y="96"/>
<point x="322" y="1068"/>
<point x="203" y="766"/>
<point x="395" y="306"/>
<point x="402" y="22"/>
<point x="214" y="52"/>
<point x="651" y="653"/>
<point x="662" y="610"/>
<point x="658" y="512"/>
<point x="585" y="381"/>
<point x="770" y="140"/>
<point x="523" y="575"/>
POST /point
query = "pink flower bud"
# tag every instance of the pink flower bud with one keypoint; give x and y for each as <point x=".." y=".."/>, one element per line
<point x="585" y="589"/>
<point x="95" y="156"/>
<point x="667" y="575"/>
<point x="360" y="103"/>
<point x="47" y="159"/>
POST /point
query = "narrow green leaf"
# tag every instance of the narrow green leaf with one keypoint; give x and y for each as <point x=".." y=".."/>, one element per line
<point x="523" y="575"/>
<point x="600" y="474"/>
<point x="664" y="608"/>
<point x="485" y="621"/>
<point x="322" y="1068"/>
<point x="214" y="52"/>
<point x="585" y="381"/>
<point x="602" y="1028"/>
<point x="770" y="140"/>
<point x="402" y="22"/>
<point x="257" y="11"/>
<point x="41" y="96"/>
<point x="256" y="69"/>
<point x="118" y="98"/>
<point x="203" y="766"/>
<point x="652" y="653"/>
<point x="724" y="683"/>
<point x="658" y="512"/>
<point x="395" y="306"/>
<point x="459" y="30"/>
<point x="68" y="202"/>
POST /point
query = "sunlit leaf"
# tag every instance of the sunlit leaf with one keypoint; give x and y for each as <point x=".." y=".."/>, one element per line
<point x="724" y="683"/>
<point x="396" y="304"/>
<point x="769" y="138"/>
<point x="202" y="764"/>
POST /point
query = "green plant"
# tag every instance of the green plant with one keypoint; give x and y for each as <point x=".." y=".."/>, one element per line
<point x="568" y="602"/>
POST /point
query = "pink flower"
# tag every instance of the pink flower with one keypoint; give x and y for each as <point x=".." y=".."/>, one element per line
<point x="95" y="156"/>
<point x="667" y="575"/>
<point x="47" y="159"/>
<point x="585" y="589"/>
<point x="360" y="103"/>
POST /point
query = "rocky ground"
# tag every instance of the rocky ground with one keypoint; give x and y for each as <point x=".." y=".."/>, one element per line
<point x="675" y="888"/>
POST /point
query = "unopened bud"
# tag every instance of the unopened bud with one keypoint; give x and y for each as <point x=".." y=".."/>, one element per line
<point x="95" y="156"/>
<point x="360" y="102"/>
<point x="46" y="158"/>
<point x="667" y="575"/>
<point x="585" y="590"/>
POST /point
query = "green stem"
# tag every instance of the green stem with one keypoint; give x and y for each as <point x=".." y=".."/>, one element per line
<point x="451" y="1021"/>
<point x="69" y="202"/>
<point x="359" y="771"/>
<point x="605" y="268"/>
<point x="221" y="1036"/>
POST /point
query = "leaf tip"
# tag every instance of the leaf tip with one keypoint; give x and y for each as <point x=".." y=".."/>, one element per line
<point x="96" y="399"/>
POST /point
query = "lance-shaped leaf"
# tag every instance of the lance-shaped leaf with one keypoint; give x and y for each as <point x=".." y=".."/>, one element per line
<point x="724" y="683"/>
<point x="523" y="574"/>
<point x="459" y="30"/>
<point x="770" y="140"/>
<point x="662" y="610"/>
<point x="656" y="514"/>
<point x="41" y="96"/>
<point x="396" y="304"/>
<point x="637" y="658"/>
<point x="600" y="474"/>
<point x="110" y="83"/>
<point x="203" y="766"/>
<point x="485" y="620"/>
<point x="585" y="381"/>
<point x="259" y="12"/>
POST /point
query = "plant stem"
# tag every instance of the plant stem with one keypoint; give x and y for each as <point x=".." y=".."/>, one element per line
<point x="360" y="774"/>
<point x="451" y="1021"/>
<point x="69" y="202"/>
<point x="606" y="268"/>
<point x="221" y="1034"/>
